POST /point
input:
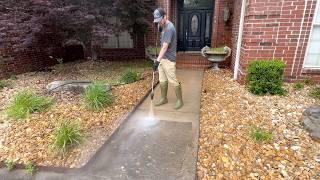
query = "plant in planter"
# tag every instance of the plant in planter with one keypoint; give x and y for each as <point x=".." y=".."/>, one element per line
<point x="216" y="55"/>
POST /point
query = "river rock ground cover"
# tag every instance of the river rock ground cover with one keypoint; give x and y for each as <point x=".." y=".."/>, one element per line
<point x="229" y="112"/>
<point x="31" y="139"/>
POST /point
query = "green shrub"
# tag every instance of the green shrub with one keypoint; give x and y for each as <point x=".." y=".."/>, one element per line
<point x="298" y="86"/>
<point x="315" y="92"/>
<point x="10" y="164"/>
<point x="30" y="168"/>
<point x="265" y="76"/>
<point x="66" y="135"/>
<point x="27" y="102"/>
<point x="259" y="134"/>
<point x="3" y="84"/>
<point x="97" y="97"/>
<point x="129" y="76"/>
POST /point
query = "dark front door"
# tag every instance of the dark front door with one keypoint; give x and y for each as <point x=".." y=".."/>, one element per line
<point x="194" y="24"/>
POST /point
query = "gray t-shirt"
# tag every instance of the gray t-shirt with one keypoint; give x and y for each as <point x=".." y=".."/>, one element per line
<point x="169" y="36"/>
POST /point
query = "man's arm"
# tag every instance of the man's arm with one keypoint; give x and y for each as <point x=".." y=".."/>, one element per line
<point x="162" y="51"/>
<point x="167" y="38"/>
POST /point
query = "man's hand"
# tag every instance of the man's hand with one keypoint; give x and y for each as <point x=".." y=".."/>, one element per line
<point x="155" y="65"/>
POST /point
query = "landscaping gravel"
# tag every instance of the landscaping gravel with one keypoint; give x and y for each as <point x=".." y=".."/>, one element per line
<point x="31" y="139"/>
<point x="229" y="111"/>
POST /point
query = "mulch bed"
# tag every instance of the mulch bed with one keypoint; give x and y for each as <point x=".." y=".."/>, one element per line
<point x="228" y="111"/>
<point x="31" y="139"/>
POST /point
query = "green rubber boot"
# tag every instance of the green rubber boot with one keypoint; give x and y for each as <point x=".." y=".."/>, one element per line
<point x="179" y="102"/>
<point x="164" y="90"/>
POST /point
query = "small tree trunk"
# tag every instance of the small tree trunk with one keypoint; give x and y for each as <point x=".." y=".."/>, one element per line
<point x="94" y="53"/>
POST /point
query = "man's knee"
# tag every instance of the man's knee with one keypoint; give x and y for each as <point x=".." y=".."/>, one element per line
<point x="174" y="82"/>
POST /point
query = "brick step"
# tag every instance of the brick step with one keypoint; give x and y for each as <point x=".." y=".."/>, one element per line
<point x="191" y="66"/>
<point x="193" y="60"/>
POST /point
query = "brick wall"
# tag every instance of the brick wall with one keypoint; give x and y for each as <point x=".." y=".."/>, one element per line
<point x="121" y="54"/>
<point x="33" y="59"/>
<point x="151" y="37"/>
<point x="272" y="30"/>
<point x="113" y="54"/>
<point x="26" y="60"/>
<point x="221" y="30"/>
<point x="15" y="27"/>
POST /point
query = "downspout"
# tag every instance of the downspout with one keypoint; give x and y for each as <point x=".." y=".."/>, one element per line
<point x="298" y="43"/>
<point x="239" y="41"/>
<point x="304" y="38"/>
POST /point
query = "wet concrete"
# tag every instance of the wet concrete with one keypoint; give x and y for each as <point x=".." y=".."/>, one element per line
<point x="191" y="83"/>
<point x="154" y="151"/>
<point x="154" y="143"/>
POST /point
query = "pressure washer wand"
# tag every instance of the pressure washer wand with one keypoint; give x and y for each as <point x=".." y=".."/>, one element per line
<point x="154" y="60"/>
<point x="152" y="93"/>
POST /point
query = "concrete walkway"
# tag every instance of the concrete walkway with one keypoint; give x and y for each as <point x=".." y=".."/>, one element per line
<point x="154" y="143"/>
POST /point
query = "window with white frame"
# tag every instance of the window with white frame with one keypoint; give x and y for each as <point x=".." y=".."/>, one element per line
<point x="123" y="40"/>
<point x="312" y="59"/>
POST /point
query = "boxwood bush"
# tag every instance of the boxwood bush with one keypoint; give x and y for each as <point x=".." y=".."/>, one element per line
<point x="266" y="77"/>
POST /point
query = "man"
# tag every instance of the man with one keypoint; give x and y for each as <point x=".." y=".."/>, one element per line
<point x="166" y="61"/>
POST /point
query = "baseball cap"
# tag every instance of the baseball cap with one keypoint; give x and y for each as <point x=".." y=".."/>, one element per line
<point x="158" y="15"/>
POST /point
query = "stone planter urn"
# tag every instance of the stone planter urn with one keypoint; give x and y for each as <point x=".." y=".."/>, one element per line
<point x="216" y="55"/>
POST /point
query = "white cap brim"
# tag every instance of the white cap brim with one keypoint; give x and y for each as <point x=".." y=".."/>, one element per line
<point x="157" y="20"/>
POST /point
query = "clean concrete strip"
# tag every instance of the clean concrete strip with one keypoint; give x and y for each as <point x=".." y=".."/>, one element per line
<point x="191" y="82"/>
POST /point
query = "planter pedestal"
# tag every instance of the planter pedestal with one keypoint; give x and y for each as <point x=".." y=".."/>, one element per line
<point x="215" y="57"/>
<point x="215" y="66"/>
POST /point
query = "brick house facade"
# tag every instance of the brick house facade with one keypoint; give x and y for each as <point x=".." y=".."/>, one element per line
<point x="276" y="29"/>
<point x="37" y="58"/>
<point x="272" y="29"/>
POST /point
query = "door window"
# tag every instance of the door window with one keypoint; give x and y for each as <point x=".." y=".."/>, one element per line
<point x="194" y="24"/>
<point x="197" y="3"/>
